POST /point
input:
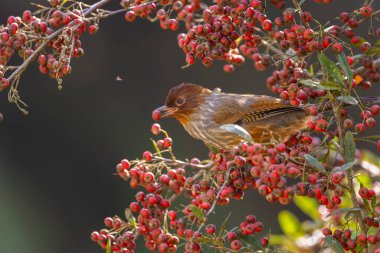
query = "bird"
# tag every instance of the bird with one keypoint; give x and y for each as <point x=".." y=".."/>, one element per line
<point x="221" y="119"/>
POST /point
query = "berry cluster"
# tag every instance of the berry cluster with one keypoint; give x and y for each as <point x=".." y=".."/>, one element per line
<point x="350" y="242"/>
<point x="278" y="172"/>
<point x="233" y="31"/>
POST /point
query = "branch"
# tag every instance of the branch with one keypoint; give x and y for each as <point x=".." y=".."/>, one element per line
<point x="362" y="68"/>
<point x="26" y="63"/>
<point x="178" y="162"/>
<point x="217" y="197"/>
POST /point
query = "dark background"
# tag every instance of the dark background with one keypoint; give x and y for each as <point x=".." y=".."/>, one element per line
<point x="57" y="163"/>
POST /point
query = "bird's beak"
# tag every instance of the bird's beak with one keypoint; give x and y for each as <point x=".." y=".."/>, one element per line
<point x="163" y="112"/>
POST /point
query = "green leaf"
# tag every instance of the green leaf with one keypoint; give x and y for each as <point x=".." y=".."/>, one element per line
<point x="276" y="239"/>
<point x="344" y="210"/>
<point x="315" y="163"/>
<point x="376" y="136"/>
<point x="348" y="100"/>
<point x="333" y="244"/>
<point x="308" y="206"/>
<point x="349" y="147"/>
<point x="365" y="180"/>
<point x="372" y="51"/>
<point x="345" y="66"/>
<point x="108" y="249"/>
<point x="237" y="130"/>
<point x="331" y="69"/>
<point x="254" y="243"/>
<point x="344" y="167"/>
<point x="373" y="203"/>
<point x="224" y="225"/>
<point x="290" y="224"/>
<point x="377" y="43"/>
<point x="197" y="212"/>
<point x="366" y="204"/>
<point x="324" y="85"/>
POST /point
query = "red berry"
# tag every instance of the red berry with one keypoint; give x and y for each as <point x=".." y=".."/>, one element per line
<point x="125" y="164"/>
<point x="372" y="239"/>
<point x="210" y="229"/>
<point x="231" y="236"/>
<point x="321" y="125"/>
<point x="370" y="122"/>
<point x="327" y="41"/>
<point x="366" y="10"/>
<point x="134" y="207"/>
<point x="267" y="25"/>
<point x="236" y="245"/>
<point x="375" y="109"/>
<point x="359" y="128"/>
<point x="168" y="142"/>
<point x="108" y="222"/>
<point x="92" y="29"/>
<point x="228" y="68"/>
<point x="156" y="128"/>
<point x="337" y="48"/>
<point x="281" y="147"/>
<point x="326" y="231"/>
<point x="361" y="240"/>
<point x="130" y="16"/>
<point x="264" y="242"/>
<point x="337" y="177"/>
<point x="156" y="115"/>
<point x="147" y="156"/>
<point x="363" y="192"/>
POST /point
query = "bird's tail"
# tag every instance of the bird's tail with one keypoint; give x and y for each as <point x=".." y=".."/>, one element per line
<point x="349" y="101"/>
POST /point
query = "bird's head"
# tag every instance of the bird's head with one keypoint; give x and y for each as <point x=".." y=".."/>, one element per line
<point x="181" y="101"/>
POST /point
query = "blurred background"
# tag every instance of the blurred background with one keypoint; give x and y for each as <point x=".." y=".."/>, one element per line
<point x="57" y="164"/>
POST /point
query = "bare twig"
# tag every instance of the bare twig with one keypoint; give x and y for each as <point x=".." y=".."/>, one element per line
<point x="360" y="69"/>
<point x="178" y="162"/>
<point x="226" y="180"/>
<point x="26" y="63"/>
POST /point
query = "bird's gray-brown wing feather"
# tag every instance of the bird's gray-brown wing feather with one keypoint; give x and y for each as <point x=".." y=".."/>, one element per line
<point x="264" y="117"/>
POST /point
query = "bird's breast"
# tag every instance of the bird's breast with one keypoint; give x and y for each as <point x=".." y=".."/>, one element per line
<point x="202" y="126"/>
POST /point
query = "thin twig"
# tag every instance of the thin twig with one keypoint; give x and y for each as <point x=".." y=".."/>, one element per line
<point x="226" y="180"/>
<point x="362" y="68"/>
<point x="26" y="63"/>
<point x="178" y="162"/>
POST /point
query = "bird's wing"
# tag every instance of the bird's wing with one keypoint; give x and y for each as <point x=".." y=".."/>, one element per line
<point x="249" y="109"/>
<point x="263" y="117"/>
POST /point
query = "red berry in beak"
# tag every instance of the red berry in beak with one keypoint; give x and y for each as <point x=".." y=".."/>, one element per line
<point x="156" y="115"/>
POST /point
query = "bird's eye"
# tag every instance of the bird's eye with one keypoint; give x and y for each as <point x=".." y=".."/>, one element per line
<point x="180" y="101"/>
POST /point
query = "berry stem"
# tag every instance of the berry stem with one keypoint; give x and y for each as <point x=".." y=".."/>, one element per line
<point x="350" y="178"/>
<point x="211" y="210"/>
<point x="362" y="68"/>
<point x="26" y="63"/>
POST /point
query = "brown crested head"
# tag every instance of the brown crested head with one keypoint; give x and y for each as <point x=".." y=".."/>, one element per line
<point x="182" y="100"/>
